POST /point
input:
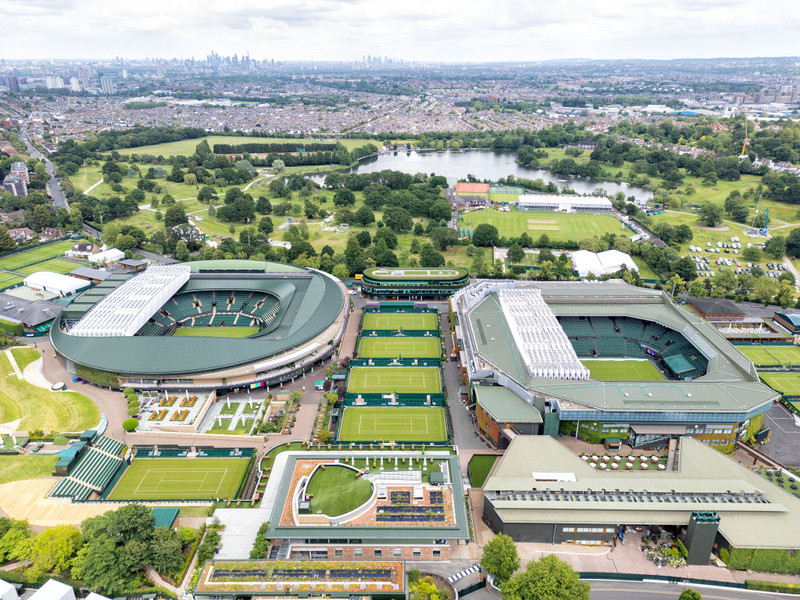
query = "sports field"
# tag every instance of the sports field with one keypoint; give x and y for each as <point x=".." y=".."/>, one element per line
<point x="396" y="347"/>
<point x="180" y="478"/>
<point x="54" y="265"/>
<point x="403" y="380"/>
<point x="376" y="424"/>
<point x="775" y="355"/>
<point x="187" y="147"/>
<point x="9" y="279"/>
<point x="622" y="370"/>
<point x="557" y="226"/>
<point x="22" y="259"/>
<point x="227" y="332"/>
<point x="396" y="321"/>
<point x="787" y="384"/>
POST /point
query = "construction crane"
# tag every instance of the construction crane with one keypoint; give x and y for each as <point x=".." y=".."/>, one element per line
<point x="746" y="139"/>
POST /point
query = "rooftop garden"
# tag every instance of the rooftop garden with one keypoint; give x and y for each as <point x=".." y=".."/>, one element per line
<point x="337" y="490"/>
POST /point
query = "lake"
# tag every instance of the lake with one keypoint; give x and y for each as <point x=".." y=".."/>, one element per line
<point x="487" y="164"/>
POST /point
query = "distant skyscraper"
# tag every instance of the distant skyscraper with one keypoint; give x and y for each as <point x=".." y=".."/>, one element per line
<point x="106" y="85"/>
<point x="13" y="84"/>
<point x="74" y="84"/>
<point x="53" y="82"/>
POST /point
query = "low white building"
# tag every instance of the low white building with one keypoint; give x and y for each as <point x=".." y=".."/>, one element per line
<point x="8" y="591"/>
<point x="565" y="204"/>
<point x="63" y="285"/>
<point x="54" y="590"/>
<point x="107" y="256"/>
<point x="602" y="263"/>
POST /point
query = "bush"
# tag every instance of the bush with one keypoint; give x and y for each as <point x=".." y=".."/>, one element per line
<point x="261" y="544"/>
<point x="130" y="425"/>
<point x="766" y="560"/>
<point x="208" y="547"/>
<point x="414" y="575"/>
<point x="772" y="586"/>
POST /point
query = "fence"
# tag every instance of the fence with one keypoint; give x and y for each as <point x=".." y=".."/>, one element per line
<point x="396" y="362"/>
<point x="587" y="575"/>
<point x="351" y="399"/>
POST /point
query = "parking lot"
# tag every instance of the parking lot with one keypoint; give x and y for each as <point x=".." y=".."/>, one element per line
<point x="708" y="256"/>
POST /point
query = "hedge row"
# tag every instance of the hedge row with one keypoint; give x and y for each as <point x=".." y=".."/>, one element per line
<point x="772" y="586"/>
<point x="766" y="560"/>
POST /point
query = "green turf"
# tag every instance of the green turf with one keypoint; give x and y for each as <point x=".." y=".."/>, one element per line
<point x="479" y="467"/>
<point x="557" y="226"/>
<point x="9" y="279"/>
<point x="22" y="259"/>
<point x="386" y="380"/>
<point x="181" y="479"/>
<point x="389" y="423"/>
<point x="55" y="265"/>
<point x="228" y="332"/>
<point x="39" y="408"/>
<point x="787" y="384"/>
<point x="622" y="370"/>
<point x="337" y="491"/>
<point x="395" y="347"/>
<point x="30" y="466"/>
<point x="394" y="321"/>
<point x="187" y="147"/>
<point x="775" y="355"/>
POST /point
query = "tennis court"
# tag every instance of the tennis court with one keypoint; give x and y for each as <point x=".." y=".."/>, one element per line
<point x="9" y="279"/>
<point x="396" y="347"/>
<point x="230" y="332"/>
<point x="775" y="355"/>
<point x="54" y="265"/>
<point x="787" y="384"/>
<point x="386" y="380"/>
<point x="622" y="370"/>
<point x="389" y="424"/>
<point x="400" y="321"/>
<point x="21" y="259"/>
<point x="181" y="478"/>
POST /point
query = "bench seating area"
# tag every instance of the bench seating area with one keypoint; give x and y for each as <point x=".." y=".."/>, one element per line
<point x="70" y="488"/>
<point x="93" y="471"/>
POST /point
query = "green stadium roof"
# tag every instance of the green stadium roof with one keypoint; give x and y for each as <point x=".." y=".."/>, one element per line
<point x="444" y="274"/>
<point x="700" y="470"/>
<point x="504" y="406"/>
<point x="310" y="302"/>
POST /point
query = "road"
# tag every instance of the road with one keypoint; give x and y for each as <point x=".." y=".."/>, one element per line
<point x="637" y="590"/>
<point x="54" y="185"/>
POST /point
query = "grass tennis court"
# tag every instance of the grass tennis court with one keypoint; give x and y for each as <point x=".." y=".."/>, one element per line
<point x="395" y="347"/>
<point x="403" y="380"/>
<point x="787" y="384"/>
<point x="54" y="265"/>
<point x="180" y="478"/>
<point x="557" y="226"/>
<point x="622" y="370"/>
<point x="401" y="321"/>
<point x="22" y="259"/>
<point x="374" y="424"/>
<point x="228" y="332"/>
<point x="9" y="279"/>
<point x="775" y="355"/>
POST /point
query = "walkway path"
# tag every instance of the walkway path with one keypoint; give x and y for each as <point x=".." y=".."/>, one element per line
<point x="86" y="193"/>
<point x="33" y="375"/>
<point x="157" y="579"/>
<point x="14" y="364"/>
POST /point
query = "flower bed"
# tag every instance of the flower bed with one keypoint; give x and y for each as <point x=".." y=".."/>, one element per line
<point x="159" y="415"/>
<point x="168" y="401"/>
<point x="180" y="415"/>
<point x="189" y="401"/>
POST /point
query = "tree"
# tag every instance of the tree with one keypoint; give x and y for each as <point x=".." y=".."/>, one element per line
<point x="515" y="253"/>
<point x="206" y="194"/>
<point x="424" y="588"/>
<point x="444" y="237"/>
<point x="387" y="236"/>
<point x="266" y="226"/>
<point x="711" y="214"/>
<point x="263" y="205"/>
<point x="181" y="251"/>
<point x="690" y="594"/>
<point x="52" y="550"/>
<point x="363" y="216"/>
<point x="174" y="215"/>
<point x="166" y="551"/>
<point x="7" y="242"/>
<point x="548" y="578"/>
<point x="793" y="243"/>
<point x="341" y="271"/>
<point x="753" y="254"/>
<point x="278" y="165"/>
<point x="364" y="239"/>
<point x="398" y="219"/>
<point x="485" y="235"/>
<point x="440" y="210"/>
<point x="685" y="268"/>
<point x="500" y="557"/>
<point x="765" y="289"/>
<point x="775" y="247"/>
<point x="675" y="284"/>
<point x="130" y="425"/>
<point x="429" y="257"/>
<point x="344" y="197"/>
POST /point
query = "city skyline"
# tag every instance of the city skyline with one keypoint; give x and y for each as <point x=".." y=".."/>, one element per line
<point x="447" y="31"/>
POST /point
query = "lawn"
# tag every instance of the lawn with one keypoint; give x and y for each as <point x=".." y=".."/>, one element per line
<point x="378" y="424"/>
<point x="387" y="380"/>
<point x="187" y="147"/>
<point x="479" y="467"/>
<point x="337" y="491"/>
<point x="9" y="279"/>
<point x="22" y="466"/>
<point x="394" y="321"/>
<point x="227" y="332"/>
<point x="622" y="370"/>
<point x="396" y="347"/>
<point x="181" y="479"/>
<point x="557" y="226"/>
<point x="54" y="265"/>
<point x="787" y="384"/>
<point x="21" y="259"/>
<point x="39" y="408"/>
<point x="775" y="355"/>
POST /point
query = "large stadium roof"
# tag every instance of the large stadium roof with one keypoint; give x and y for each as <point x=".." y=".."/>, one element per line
<point x="701" y="471"/>
<point x="310" y="301"/>
<point x="731" y="384"/>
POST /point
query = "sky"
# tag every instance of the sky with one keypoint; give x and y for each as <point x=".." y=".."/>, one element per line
<point x="414" y="30"/>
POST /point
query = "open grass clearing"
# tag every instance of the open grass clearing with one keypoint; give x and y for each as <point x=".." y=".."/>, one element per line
<point x="181" y="479"/>
<point x="219" y="332"/>
<point x="479" y="467"/>
<point x="39" y="408"/>
<point x="54" y="265"/>
<point x="28" y="257"/>
<point x="396" y="321"/>
<point x="771" y="355"/>
<point x="26" y="466"/>
<point x="389" y="423"/>
<point x="336" y="490"/>
<point x="557" y="226"/>
<point x="623" y="370"/>
<point x="388" y="380"/>
<point x="399" y="347"/>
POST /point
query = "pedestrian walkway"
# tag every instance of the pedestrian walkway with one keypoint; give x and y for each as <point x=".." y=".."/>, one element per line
<point x="461" y="574"/>
<point x="14" y="364"/>
<point x="33" y="374"/>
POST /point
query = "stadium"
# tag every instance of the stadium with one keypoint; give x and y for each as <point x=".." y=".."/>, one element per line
<point x="203" y="325"/>
<point x="603" y="360"/>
